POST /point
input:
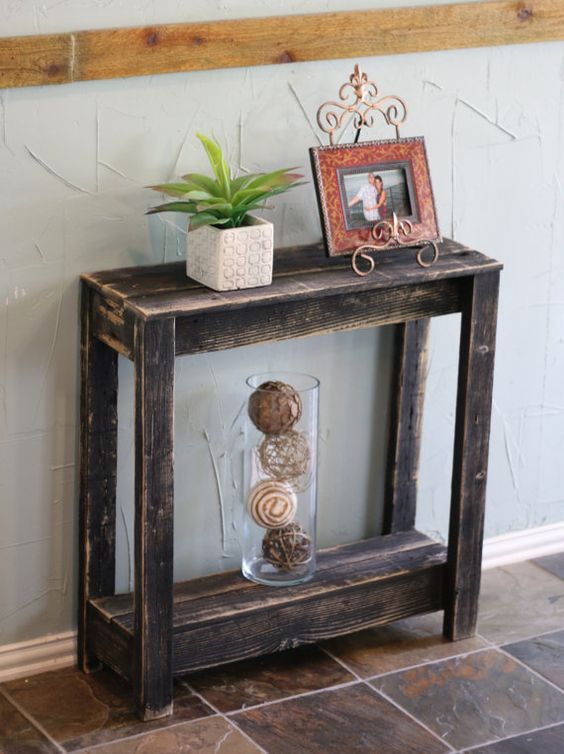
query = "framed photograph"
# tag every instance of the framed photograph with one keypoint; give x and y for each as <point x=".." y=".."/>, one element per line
<point x="359" y="185"/>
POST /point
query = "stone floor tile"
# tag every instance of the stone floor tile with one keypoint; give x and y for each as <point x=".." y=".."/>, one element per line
<point x="18" y="735"/>
<point x="548" y="741"/>
<point x="545" y="654"/>
<point x="475" y="699"/>
<point x="408" y="642"/>
<point x="79" y="710"/>
<point x="519" y="601"/>
<point x="214" y="735"/>
<point x="339" y="721"/>
<point x="552" y="563"/>
<point x="265" y="679"/>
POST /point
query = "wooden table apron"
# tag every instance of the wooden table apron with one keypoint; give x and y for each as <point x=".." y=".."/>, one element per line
<point x="153" y="314"/>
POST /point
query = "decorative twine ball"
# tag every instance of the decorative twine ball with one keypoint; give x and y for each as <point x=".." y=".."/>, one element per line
<point x="272" y="504"/>
<point x="287" y="547"/>
<point x="275" y="407"/>
<point x="286" y="456"/>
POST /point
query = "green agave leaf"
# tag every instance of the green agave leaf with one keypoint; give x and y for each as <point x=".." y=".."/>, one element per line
<point x="242" y="181"/>
<point x="199" y="196"/>
<point x="206" y="218"/>
<point x="277" y="178"/>
<point x="190" y="207"/>
<point x="175" y="189"/>
<point x="218" y="163"/>
<point x="241" y="197"/>
<point x="203" y="182"/>
<point x="223" y="208"/>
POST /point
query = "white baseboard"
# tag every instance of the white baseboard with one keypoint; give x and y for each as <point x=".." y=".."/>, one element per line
<point x="37" y="656"/>
<point x="59" y="650"/>
<point x="523" y="545"/>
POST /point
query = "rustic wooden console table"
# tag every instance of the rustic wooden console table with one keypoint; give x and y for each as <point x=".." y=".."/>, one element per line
<point x="153" y="314"/>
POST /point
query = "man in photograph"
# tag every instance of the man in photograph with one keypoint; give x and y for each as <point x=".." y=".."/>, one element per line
<point x="373" y="198"/>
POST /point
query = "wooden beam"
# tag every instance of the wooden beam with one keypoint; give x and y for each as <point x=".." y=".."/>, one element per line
<point x="116" y="53"/>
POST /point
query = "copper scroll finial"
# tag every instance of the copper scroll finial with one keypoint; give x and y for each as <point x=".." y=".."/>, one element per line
<point x="361" y="94"/>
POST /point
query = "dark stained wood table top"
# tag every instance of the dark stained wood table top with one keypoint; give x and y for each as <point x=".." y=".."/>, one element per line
<point x="299" y="272"/>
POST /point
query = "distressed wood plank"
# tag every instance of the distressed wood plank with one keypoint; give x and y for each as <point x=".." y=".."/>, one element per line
<point x="112" y="324"/>
<point x="220" y="586"/>
<point x="334" y="614"/>
<point x="154" y="494"/>
<point x="409" y="371"/>
<point x="112" y="644"/>
<point x="34" y="60"/>
<point x="98" y="473"/>
<point x="169" y="48"/>
<point x="313" y="316"/>
<point x="470" y="463"/>
<point x="165" y="291"/>
<point x="364" y="583"/>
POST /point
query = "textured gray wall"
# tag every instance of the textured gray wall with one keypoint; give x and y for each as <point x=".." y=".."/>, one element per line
<point x="74" y="160"/>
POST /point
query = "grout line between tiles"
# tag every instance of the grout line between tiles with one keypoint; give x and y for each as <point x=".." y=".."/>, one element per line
<point x="229" y="722"/>
<point x="491" y="643"/>
<point x="322" y="690"/>
<point x="342" y="663"/>
<point x="94" y="747"/>
<point x="415" y="719"/>
<point x="509" y="738"/>
<point x="533" y="671"/>
<point x="529" y="637"/>
<point x="30" y="719"/>
<point x="430" y="662"/>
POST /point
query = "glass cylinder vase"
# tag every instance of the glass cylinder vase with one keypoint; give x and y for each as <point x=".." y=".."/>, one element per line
<point x="280" y="478"/>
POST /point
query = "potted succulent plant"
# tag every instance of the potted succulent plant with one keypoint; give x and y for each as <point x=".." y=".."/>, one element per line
<point x="227" y="246"/>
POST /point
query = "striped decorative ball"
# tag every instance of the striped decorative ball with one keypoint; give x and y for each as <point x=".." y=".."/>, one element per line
<point x="272" y="504"/>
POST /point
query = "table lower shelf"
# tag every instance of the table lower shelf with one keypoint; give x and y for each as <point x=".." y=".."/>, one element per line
<point x="224" y="617"/>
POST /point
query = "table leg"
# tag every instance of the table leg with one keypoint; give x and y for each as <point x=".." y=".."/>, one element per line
<point x="472" y="430"/>
<point x="406" y="415"/>
<point x="154" y="440"/>
<point x="98" y="472"/>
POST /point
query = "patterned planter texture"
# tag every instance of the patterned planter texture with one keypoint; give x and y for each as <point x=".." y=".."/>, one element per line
<point x="226" y="260"/>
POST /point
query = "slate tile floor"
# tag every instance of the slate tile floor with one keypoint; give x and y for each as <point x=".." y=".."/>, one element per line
<point x="398" y="689"/>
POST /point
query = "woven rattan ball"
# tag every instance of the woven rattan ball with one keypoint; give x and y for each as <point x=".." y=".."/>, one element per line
<point x="286" y="456"/>
<point x="271" y="504"/>
<point x="287" y="547"/>
<point x="274" y="407"/>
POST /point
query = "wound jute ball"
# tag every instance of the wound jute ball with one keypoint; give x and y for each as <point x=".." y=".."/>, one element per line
<point x="274" y="407"/>
<point x="272" y="504"/>
<point x="287" y="547"/>
<point x="286" y="457"/>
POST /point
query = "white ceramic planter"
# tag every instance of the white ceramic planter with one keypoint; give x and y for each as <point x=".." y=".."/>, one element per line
<point x="226" y="260"/>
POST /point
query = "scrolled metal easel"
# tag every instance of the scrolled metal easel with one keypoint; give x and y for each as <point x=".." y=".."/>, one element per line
<point x="386" y="235"/>
<point x="393" y="235"/>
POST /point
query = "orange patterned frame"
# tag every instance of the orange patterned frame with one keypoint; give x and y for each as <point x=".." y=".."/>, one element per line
<point x="326" y="161"/>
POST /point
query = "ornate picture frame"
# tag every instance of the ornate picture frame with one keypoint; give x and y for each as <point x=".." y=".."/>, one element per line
<point x="363" y="184"/>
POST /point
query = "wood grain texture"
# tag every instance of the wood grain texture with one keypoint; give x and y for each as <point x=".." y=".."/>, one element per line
<point x="152" y="314"/>
<point x="310" y="294"/>
<point x="116" y="53"/>
<point x="154" y="498"/>
<point x="41" y="59"/>
<point x="165" y="291"/>
<point x="219" y="585"/>
<point x="111" y="644"/>
<point x="298" y="319"/>
<point x="470" y="463"/>
<point x="98" y="471"/>
<point x="409" y="372"/>
<point x="228" y="618"/>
